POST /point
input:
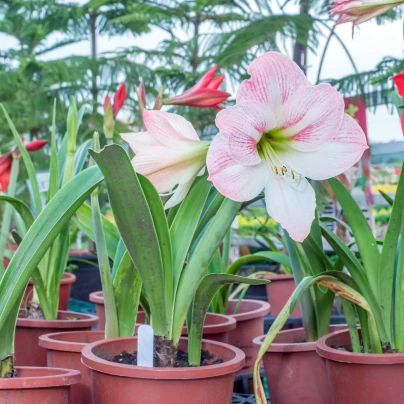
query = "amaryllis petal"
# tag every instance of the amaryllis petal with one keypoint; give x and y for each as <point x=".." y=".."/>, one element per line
<point x="169" y="128"/>
<point x="399" y="82"/>
<point x="179" y="194"/>
<point x="215" y="82"/>
<point x="292" y="206"/>
<point x="245" y="124"/>
<point x="205" y="93"/>
<point x="168" y="168"/>
<point x="237" y="182"/>
<point x="332" y="159"/>
<point x="311" y="117"/>
<point x="359" y="11"/>
<point x="36" y="145"/>
<point x="139" y="141"/>
<point x="274" y="78"/>
<point x="119" y="99"/>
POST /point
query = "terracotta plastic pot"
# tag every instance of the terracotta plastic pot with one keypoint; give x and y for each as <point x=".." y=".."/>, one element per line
<point x="140" y="385"/>
<point x="38" y="386"/>
<point x="27" y="350"/>
<point x="250" y="324"/>
<point x="64" y="349"/>
<point x="98" y="299"/>
<point x="361" y="378"/>
<point x="294" y="370"/>
<point x="217" y="327"/>
<point x="64" y="291"/>
<point x="279" y="290"/>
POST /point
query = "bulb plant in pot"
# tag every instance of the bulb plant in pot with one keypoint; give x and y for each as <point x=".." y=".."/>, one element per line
<point x="171" y="254"/>
<point x="373" y="284"/>
<point x="42" y="313"/>
<point x="30" y="384"/>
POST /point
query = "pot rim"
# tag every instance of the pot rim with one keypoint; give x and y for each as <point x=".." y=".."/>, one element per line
<point x="97" y="297"/>
<point x="351" y="357"/>
<point x="287" y="347"/>
<point x="46" y="378"/>
<point x="68" y="277"/>
<point x="228" y="323"/>
<point x="293" y="346"/>
<point x="84" y="321"/>
<point x="116" y="369"/>
<point x="262" y="309"/>
<point x="280" y="277"/>
<point x="51" y="341"/>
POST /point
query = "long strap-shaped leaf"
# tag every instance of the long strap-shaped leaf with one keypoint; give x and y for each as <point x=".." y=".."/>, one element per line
<point x="185" y="223"/>
<point x="39" y="237"/>
<point x="363" y="235"/>
<point x="388" y="258"/>
<point x="83" y="220"/>
<point x="209" y="286"/>
<point x="198" y="263"/>
<point x="141" y="227"/>
<point x="27" y="162"/>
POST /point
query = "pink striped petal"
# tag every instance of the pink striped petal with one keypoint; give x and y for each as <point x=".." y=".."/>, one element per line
<point x="292" y="206"/>
<point x="237" y="182"/>
<point x="245" y="124"/>
<point x="140" y="141"/>
<point x="312" y="117"/>
<point x="170" y="129"/>
<point x="166" y="167"/>
<point x="274" y="78"/>
<point x="332" y="159"/>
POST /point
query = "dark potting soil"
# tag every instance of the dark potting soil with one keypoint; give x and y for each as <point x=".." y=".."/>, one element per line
<point x="127" y="358"/>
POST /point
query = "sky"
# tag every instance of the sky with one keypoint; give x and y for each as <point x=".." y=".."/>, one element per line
<point x="371" y="42"/>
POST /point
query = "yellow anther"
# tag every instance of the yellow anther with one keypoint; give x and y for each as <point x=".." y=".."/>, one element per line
<point x="284" y="170"/>
<point x="293" y="174"/>
<point x="276" y="170"/>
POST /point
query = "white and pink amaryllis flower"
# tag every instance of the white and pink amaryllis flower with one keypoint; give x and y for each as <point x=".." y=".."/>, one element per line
<point x="280" y="132"/>
<point x="169" y="153"/>
<point x="359" y="11"/>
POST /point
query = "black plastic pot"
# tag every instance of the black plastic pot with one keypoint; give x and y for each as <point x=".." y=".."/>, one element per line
<point x="88" y="275"/>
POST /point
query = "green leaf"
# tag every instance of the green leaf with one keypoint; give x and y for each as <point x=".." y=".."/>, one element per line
<point x="22" y="209"/>
<point x="27" y="162"/>
<point x="83" y="220"/>
<point x="185" y="223"/>
<point x="306" y="303"/>
<point x="39" y="237"/>
<point x="127" y="289"/>
<point x="386" y="197"/>
<point x="81" y="156"/>
<point x="198" y="262"/>
<point x="358" y="274"/>
<point x="137" y="227"/>
<point x="363" y="234"/>
<point x="210" y="284"/>
<point x="54" y="163"/>
<point x="388" y="257"/>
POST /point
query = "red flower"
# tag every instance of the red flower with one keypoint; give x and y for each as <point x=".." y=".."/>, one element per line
<point x="119" y="99"/>
<point x="6" y="161"/>
<point x="399" y="82"/>
<point x="205" y="93"/>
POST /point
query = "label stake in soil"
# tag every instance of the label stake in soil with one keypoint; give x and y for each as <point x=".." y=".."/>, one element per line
<point x="145" y="336"/>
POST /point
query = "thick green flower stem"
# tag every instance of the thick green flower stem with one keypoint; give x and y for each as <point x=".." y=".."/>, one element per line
<point x="8" y="209"/>
<point x="7" y="343"/>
